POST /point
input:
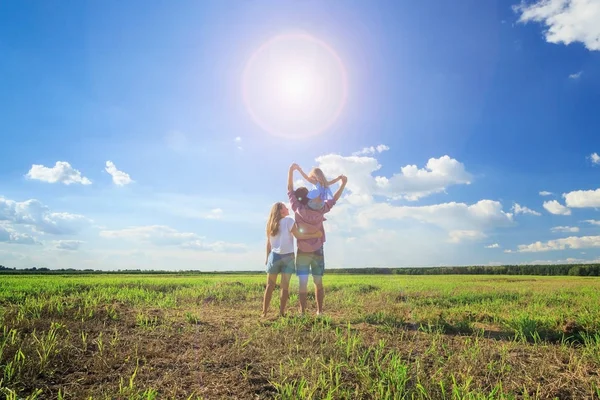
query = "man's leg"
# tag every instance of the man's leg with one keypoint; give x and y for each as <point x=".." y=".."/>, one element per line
<point x="303" y="292"/>
<point x="318" y="269"/>
<point x="302" y="270"/>
<point x="319" y="293"/>
<point x="285" y="294"/>
<point x="271" y="282"/>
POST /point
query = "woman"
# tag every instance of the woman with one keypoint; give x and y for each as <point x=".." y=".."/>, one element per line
<point x="280" y="253"/>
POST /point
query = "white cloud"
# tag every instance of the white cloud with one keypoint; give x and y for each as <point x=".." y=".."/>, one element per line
<point x="159" y="235"/>
<point x="238" y="142"/>
<point x="595" y="158"/>
<point x="518" y="209"/>
<point x="9" y="235"/>
<point x="485" y="214"/>
<point x="565" y="229"/>
<point x="463" y="235"/>
<point x="410" y="183"/>
<point x="71" y="245"/>
<point x="62" y="172"/>
<point x="545" y="193"/>
<point x="592" y="221"/>
<point x="238" y="139"/>
<point x="38" y="216"/>
<point x="567" y="21"/>
<point x="493" y="246"/>
<point x="582" y="198"/>
<point x="119" y="178"/>
<point x="554" y="207"/>
<point x="576" y="75"/>
<point x="371" y="150"/>
<point x="215" y="213"/>
<point x="572" y="242"/>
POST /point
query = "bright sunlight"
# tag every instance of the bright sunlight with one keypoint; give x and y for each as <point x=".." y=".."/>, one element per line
<point x="295" y="86"/>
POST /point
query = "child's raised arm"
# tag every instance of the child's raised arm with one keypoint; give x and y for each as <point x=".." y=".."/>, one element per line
<point x="308" y="178"/>
<point x="331" y="182"/>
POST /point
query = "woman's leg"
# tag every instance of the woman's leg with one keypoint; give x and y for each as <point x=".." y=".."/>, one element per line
<point x="271" y="282"/>
<point x="285" y="294"/>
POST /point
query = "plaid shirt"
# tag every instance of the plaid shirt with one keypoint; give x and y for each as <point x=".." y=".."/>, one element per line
<point x="309" y="221"/>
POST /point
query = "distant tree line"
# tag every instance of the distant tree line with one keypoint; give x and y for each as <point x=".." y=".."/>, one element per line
<point x="548" y="270"/>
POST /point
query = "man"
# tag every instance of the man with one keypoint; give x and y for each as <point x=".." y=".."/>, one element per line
<point x="310" y="258"/>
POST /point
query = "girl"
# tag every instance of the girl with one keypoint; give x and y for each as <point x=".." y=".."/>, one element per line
<point x="280" y="253"/>
<point x="321" y="191"/>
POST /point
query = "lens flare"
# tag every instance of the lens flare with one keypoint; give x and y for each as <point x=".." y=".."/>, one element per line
<point x="294" y="86"/>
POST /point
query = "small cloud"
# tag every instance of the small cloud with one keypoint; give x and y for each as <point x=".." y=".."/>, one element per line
<point x="238" y="139"/>
<point x="459" y="236"/>
<point x="592" y="221"/>
<point x="545" y="193"/>
<point x="576" y="76"/>
<point x="371" y="150"/>
<point x="554" y="207"/>
<point x="119" y="178"/>
<point x="70" y="245"/>
<point x="518" y="209"/>
<point x="10" y="236"/>
<point x="493" y="246"/>
<point x="595" y="158"/>
<point x="215" y="213"/>
<point x="564" y="229"/>
<point x="62" y="172"/>
<point x="564" y="21"/>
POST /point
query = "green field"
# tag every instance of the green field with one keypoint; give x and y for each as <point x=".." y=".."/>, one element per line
<point x="383" y="337"/>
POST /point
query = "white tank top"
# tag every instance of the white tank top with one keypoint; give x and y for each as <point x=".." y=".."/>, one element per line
<point x="283" y="242"/>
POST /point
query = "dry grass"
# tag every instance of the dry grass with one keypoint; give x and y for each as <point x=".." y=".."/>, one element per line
<point x="458" y="337"/>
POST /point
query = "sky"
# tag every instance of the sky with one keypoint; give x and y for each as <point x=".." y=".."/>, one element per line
<point x="157" y="135"/>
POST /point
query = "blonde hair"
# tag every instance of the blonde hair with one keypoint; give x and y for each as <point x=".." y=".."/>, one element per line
<point x="274" y="219"/>
<point x="318" y="174"/>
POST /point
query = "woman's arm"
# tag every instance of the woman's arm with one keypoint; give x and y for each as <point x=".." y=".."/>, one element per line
<point x="300" y="235"/>
<point x="306" y="177"/>
<point x="268" y="250"/>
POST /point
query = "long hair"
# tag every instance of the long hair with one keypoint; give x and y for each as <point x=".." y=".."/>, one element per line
<point x="274" y="219"/>
<point x="318" y="174"/>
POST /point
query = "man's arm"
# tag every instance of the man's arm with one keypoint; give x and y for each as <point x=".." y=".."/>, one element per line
<point x="338" y="193"/>
<point x="293" y="167"/>
<point x="301" y="235"/>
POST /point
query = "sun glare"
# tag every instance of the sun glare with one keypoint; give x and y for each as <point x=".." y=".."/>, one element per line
<point x="295" y="86"/>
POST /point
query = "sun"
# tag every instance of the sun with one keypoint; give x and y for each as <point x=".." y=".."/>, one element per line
<point x="294" y="85"/>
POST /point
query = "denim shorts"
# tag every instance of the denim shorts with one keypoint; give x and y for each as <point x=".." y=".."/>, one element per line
<point x="281" y="263"/>
<point x="312" y="262"/>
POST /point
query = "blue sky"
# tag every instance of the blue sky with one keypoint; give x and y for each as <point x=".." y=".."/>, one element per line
<point x="491" y="102"/>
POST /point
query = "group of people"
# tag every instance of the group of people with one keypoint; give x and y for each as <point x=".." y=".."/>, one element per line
<point x="309" y="207"/>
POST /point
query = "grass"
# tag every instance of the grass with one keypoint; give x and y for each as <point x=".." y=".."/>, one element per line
<point x="383" y="337"/>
